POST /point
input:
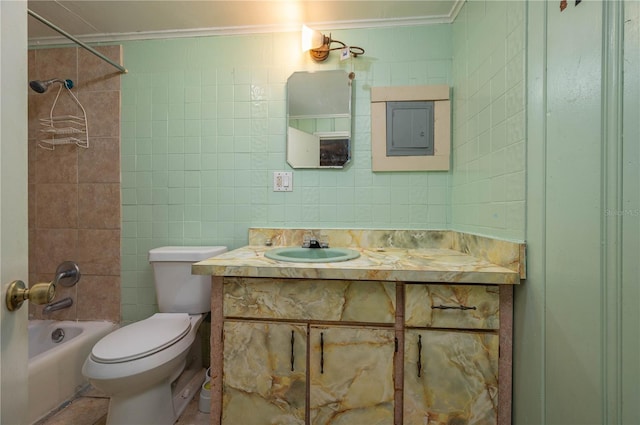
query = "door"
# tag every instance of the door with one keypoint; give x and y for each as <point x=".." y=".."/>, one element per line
<point x="13" y="207"/>
<point x="264" y="378"/>
<point x="351" y="375"/>
<point x="450" y="377"/>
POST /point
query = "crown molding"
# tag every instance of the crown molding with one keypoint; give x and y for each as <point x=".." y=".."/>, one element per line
<point x="457" y="7"/>
<point x="252" y="29"/>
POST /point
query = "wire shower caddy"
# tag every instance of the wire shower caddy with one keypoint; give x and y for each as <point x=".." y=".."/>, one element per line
<point x="64" y="129"/>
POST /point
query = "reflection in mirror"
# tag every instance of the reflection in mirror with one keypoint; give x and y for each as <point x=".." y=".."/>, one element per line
<point x="319" y="119"/>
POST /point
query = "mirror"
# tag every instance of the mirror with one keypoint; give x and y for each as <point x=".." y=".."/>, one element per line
<point x="319" y="119"/>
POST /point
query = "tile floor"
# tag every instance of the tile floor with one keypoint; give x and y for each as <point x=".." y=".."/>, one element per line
<point x="90" y="408"/>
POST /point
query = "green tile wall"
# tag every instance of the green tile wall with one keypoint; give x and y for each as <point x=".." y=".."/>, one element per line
<point x="203" y="129"/>
<point x="488" y="179"/>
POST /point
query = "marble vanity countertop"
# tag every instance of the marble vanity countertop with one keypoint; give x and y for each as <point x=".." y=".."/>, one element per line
<point x="377" y="264"/>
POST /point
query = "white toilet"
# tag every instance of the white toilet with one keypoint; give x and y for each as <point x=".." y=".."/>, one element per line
<point x="137" y="364"/>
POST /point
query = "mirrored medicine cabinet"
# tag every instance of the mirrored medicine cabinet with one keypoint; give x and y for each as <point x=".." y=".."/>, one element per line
<point x="319" y="119"/>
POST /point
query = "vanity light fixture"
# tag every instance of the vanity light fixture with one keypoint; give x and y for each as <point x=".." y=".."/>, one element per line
<point x="319" y="45"/>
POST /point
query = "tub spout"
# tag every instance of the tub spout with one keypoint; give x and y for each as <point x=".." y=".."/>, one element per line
<point x="58" y="305"/>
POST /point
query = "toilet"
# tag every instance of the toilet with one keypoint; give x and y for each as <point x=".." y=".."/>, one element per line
<point x="138" y="365"/>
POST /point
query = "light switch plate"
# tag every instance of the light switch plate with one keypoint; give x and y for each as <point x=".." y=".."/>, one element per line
<point x="282" y="181"/>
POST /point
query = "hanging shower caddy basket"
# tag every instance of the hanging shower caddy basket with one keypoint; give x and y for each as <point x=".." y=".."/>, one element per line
<point x="64" y="129"/>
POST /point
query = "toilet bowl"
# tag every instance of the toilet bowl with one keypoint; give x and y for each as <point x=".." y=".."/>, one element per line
<point x="137" y="364"/>
<point x="139" y="383"/>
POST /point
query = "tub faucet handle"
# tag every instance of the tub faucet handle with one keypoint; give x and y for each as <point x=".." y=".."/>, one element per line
<point x="67" y="274"/>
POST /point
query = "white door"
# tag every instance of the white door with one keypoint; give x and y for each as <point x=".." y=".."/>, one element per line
<point x="13" y="207"/>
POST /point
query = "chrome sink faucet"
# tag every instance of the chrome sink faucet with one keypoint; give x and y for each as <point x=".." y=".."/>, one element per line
<point x="313" y="243"/>
<point x="310" y="241"/>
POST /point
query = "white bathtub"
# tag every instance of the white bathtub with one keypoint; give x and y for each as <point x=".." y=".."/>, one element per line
<point x="55" y="369"/>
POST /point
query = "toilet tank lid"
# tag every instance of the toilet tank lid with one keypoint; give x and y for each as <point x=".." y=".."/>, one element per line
<point x="185" y="253"/>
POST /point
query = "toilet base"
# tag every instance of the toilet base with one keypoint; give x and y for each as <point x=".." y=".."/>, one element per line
<point x="151" y="407"/>
<point x="161" y="405"/>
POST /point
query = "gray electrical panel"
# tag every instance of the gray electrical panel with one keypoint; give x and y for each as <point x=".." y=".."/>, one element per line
<point x="410" y="128"/>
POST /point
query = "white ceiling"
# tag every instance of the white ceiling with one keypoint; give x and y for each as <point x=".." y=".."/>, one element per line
<point x="113" y="20"/>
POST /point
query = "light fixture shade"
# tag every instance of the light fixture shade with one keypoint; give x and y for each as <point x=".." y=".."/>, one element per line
<point x="311" y="39"/>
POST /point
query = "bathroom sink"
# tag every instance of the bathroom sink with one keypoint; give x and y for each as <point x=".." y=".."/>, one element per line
<point x="311" y="255"/>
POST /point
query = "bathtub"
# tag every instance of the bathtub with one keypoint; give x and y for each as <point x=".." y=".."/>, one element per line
<point x="55" y="368"/>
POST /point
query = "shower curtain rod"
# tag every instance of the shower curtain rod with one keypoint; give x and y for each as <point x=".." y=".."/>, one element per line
<point x="85" y="46"/>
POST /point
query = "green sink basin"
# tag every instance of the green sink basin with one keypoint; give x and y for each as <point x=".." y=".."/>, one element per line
<point x="311" y="255"/>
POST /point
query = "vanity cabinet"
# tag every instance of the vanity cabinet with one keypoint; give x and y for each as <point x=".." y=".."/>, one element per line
<point x="451" y="354"/>
<point x="325" y="352"/>
<point x="417" y="330"/>
<point x="345" y="328"/>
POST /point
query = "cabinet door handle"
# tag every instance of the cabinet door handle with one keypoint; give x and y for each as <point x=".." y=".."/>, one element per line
<point x="419" y="355"/>
<point x="321" y="352"/>
<point x="293" y="340"/>
<point x="454" y="307"/>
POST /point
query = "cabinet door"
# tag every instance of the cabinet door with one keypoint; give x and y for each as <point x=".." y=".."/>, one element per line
<point x="452" y="306"/>
<point x="264" y="378"/>
<point x="351" y="374"/>
<point x="450" y="377"/>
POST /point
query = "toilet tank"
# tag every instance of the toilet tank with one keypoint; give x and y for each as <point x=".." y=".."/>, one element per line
<point x="177" y="290"/>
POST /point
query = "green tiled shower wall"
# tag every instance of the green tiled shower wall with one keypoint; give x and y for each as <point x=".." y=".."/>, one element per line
<point x="203" y="129"/>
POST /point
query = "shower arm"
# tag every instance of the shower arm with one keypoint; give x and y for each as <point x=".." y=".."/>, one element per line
<point x="85" y="46"/>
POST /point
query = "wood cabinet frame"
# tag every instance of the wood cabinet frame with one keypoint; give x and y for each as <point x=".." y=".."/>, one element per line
<point x="504" y="363"/>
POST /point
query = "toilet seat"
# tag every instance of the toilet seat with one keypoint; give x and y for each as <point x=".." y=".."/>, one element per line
<point x="141" y="339"/>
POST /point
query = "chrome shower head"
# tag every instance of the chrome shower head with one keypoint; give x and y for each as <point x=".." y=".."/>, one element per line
<point x="42" y="86"/>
